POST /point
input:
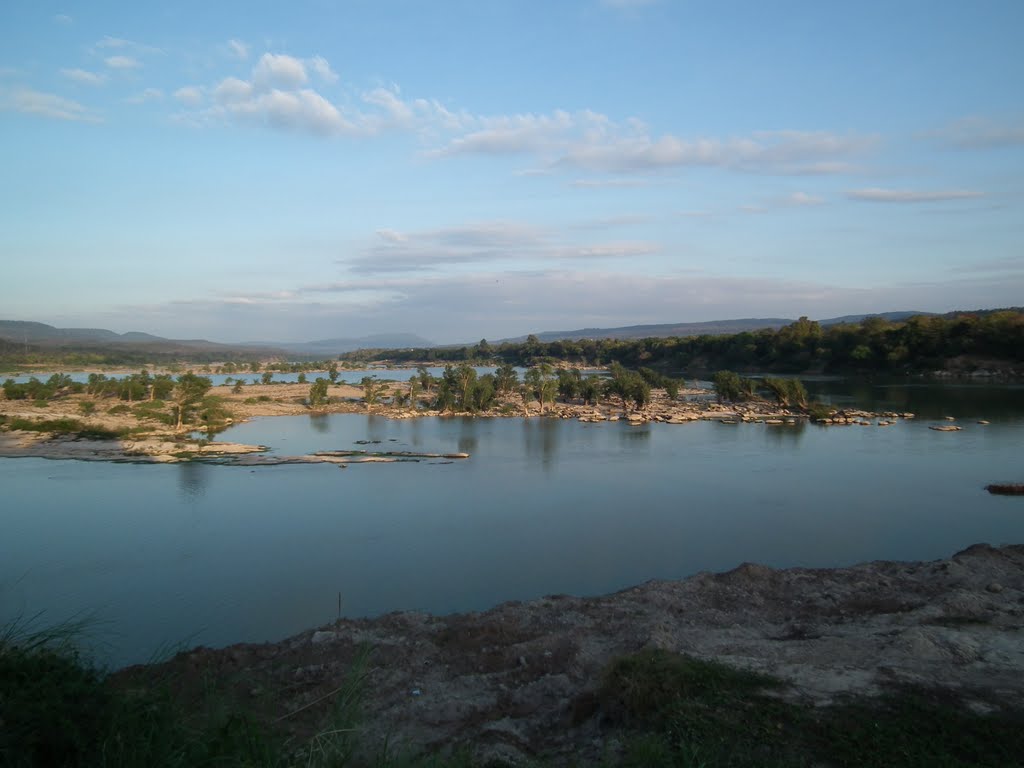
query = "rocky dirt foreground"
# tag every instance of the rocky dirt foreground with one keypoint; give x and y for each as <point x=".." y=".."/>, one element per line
<point x="521" y="679"/>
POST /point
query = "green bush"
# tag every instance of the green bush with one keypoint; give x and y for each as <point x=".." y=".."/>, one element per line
<point x="119" y="408"/>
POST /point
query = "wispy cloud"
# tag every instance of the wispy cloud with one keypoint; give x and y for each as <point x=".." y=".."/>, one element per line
<point x="982" y="133"/>
<point x="483" y="243"/>
<point x="32" y="102"/>
<point x="63" y="18"/>
<point x="149" y="94"/>
<point x="880" y="195"/>
<point x="238" y="49"/>
<point x="989" y="266"/>
<point x="323" y="70"/>
<point x="278" y="70"/>
<point x="122" y="62"/>
<point x="120" y="43"/>
<point x="279" y="93"/>
<point x="83" y="76"/>
<point x="190" y="95"/>
<point x="591" y="141"/>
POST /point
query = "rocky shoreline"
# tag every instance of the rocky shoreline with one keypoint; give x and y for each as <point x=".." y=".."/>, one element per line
<point x="150" y="441"/>
<point x="520" y="680"/>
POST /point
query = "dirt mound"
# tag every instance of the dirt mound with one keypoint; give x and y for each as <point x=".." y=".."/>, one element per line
<point x="521" y="679"/>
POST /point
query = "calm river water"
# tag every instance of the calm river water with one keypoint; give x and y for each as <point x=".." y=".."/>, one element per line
<point x="163" y="556"/>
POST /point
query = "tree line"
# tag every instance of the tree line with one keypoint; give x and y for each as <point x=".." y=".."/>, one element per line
<point x="965" y="341"/>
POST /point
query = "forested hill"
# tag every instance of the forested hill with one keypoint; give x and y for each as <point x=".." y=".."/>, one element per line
<point x="961" y="342"/>
<point x="710" y="327"/>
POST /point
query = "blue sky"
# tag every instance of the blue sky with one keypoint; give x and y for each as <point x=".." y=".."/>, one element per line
<point x="293" y="171"/>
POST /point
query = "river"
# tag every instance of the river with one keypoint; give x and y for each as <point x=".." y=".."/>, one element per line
<point x="166" y="556"/>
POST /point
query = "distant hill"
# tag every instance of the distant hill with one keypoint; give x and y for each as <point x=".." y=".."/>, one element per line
<point x="332" y="347"/>
<point x="40" y="333"/>
<point x="711" y="328"/>
<point x="892" y="317"/>
<point x="22" y="335"/>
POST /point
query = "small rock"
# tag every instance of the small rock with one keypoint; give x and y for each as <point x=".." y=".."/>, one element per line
<point x="995" y="587"/>
<point x="320" y="637"/>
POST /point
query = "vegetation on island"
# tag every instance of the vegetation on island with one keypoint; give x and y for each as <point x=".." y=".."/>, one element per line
<point x="182" y="403"/>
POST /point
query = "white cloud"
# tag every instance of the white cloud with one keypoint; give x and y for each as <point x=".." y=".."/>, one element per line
<point x="880" y="195"/>
<point x="275" y="70"/>
<point x="800" y="199"/>
<point x="303" y="110"/>
<point x="982" y="133"/>
<point x="481" y="243"/>
<point x="391" y="236"/>
<point x="238" y="49"/>
<point x="122" y="44"/>
<point x="32" y="102"/>
<point x="593" y="142"/>
<point x="149" y="94"/>
<point x="84" y="76"/>
<point x="190" y="95"/>
<point x="278" y="94"/>
<point x="63" y="18"/>
<point x="122" y="62"/>
<point x="323" y="70"/>
<point x="232" y="90"/>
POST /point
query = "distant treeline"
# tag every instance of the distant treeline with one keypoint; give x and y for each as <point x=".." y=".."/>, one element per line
<point x="16" y="353"/>
<point x="962" y="342"/>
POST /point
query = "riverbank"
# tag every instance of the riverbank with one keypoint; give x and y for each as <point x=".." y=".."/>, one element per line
<point x="137" y="432"/>
<point x="529" y="680"/>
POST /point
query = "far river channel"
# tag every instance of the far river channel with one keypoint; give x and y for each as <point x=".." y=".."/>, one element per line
<point x="163" y="557"/>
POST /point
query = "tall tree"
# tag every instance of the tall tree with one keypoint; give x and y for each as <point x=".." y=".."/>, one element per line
<point x="189" y="391"/>
<point x="318" y="393"/>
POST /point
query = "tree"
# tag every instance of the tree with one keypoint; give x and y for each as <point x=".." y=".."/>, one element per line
<point x="787" y="391"/>
<point x="541" y="384"/>
<point x="332" y="372"/>
<point x="465" y="378"/>
<point x="267" y="377"/>
<point x="188" y="393"/>
<point x="162" y="387"/>
<point x="426" y="380"/>
<point x="728" y="386"/>
<point x="506" y="380"/>
<point x="414" y="391"/>
<point x="569" y="383"/>
<point x="318" y="393"/>
<point x="590" y="390"/>
<point x="238" y="386"/>
<point x="301" y="378"/>
<point x="373" y="390"/>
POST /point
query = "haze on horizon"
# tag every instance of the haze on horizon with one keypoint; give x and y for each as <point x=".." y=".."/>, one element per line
<point x="242" y="171"/>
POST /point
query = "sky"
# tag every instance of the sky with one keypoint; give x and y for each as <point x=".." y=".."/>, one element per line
<point x="274" y="171"/>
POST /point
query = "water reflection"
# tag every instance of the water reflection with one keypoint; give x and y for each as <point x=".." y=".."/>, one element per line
<point x="192" y="480"/>
<point x="788" y="433"/>
<point x="541" y="439"/>
<point x="467" y="439"/>
<point x="320" y="422"/>
<point x="634" y="437"/>
<point x="925" y="397"/>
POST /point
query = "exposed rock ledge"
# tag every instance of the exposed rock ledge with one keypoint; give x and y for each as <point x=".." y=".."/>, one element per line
<point x="519" y="679"/>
